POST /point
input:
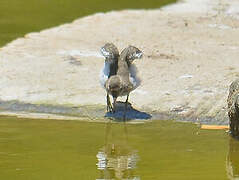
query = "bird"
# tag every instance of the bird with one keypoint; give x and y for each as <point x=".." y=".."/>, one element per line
<point x="125" y="80"/>
<point x="111" y="54"/>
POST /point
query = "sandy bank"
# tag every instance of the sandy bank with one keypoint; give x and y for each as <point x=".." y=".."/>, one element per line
<point x="191" y="52"/>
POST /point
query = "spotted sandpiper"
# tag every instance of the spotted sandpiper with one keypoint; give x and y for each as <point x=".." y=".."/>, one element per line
<point x="124" y="81"/>
<point x="111" y="54"/>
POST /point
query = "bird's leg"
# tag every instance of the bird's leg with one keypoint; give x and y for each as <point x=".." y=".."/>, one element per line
<point x="109" y="106"/>
<point x="126" y="103"/>
<point x="114" y="104"/>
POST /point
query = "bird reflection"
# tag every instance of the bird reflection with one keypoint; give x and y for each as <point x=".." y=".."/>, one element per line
<point x="233" y="160"/>
<point x="116" y="160"/>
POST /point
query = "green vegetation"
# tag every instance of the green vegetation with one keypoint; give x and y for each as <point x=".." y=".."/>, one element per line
<point x="18" y="17"/>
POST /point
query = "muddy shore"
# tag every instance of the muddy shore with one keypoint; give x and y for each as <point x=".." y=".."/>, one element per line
<point x="191" y="52"/>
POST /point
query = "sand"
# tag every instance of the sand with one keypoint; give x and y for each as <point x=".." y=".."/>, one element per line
<point x="191" y="52"/>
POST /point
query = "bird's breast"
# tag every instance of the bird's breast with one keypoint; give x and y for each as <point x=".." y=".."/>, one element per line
<point x="104" y="74"/>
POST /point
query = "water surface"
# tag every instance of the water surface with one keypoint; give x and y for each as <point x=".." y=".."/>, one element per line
<point x="70" y="150"/>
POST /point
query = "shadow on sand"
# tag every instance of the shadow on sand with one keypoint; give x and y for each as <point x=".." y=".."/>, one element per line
<point x="131" y="113"/>
<point x="78" y="111"/>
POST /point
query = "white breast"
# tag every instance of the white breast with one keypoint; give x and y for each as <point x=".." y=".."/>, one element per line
<point x="133" y="76"/>
<point x="104" y="74"/>
<point x="134" y="79"/>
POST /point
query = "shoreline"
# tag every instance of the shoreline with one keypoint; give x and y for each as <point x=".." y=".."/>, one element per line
<point x="54" y="73"/>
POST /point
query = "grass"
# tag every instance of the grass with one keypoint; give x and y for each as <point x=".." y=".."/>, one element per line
<point x="19" y="17"/>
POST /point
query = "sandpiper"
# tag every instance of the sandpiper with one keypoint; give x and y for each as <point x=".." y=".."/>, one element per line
<point x="125" y="79"/>
<point x="111" y="54"/>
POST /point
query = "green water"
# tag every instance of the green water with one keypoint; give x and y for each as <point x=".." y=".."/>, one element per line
<point x="70" y="150"/>
<point x="18" y="17"/>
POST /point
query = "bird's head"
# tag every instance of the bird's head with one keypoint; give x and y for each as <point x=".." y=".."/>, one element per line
<point x="113" y="86"/>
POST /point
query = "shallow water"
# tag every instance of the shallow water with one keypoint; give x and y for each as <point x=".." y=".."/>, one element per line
<point x="60" y="150"/>
<point x="18" y="17"/>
